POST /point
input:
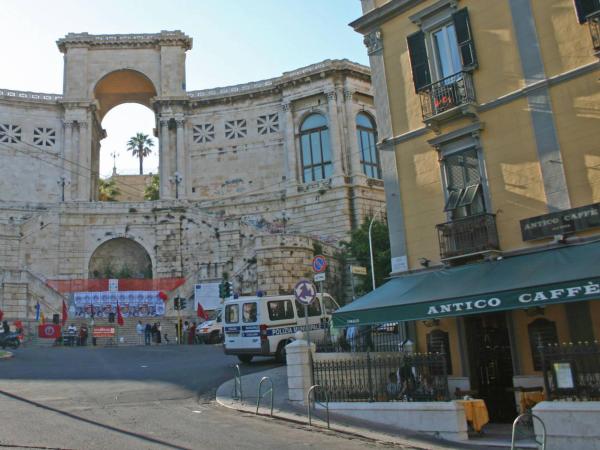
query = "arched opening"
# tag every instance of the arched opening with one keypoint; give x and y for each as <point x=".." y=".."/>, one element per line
<point x="120" y="258"/>
<point x="128" y="156"/>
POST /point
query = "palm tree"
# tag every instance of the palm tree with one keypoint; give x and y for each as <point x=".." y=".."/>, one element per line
<point x="108" y="190"/>
<point x="139" y="145"/>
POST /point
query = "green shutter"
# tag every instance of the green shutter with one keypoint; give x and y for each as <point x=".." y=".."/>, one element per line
<point x="464" y="36"/>
<point x="586" y="7"/>
<point x="418" y="60"/>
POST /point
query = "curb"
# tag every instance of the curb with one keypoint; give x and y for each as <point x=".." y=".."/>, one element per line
<point x="6" y="355"/>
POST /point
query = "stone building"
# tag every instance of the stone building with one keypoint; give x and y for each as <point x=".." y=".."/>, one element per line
<point x="254" y="178"/>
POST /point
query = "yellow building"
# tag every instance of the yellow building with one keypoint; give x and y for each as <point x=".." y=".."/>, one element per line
<point x="489" y="134"/>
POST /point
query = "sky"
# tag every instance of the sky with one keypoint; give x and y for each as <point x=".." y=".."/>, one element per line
<point x="235" y="41"/>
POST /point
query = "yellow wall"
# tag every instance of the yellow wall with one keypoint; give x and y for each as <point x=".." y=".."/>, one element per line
<point x="450" y="327"/>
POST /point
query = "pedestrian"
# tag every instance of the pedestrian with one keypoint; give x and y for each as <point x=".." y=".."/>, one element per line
<point x="192" y="333"/>
<point x="186" y="331"/>
<point x="139" y="328"/>
<point x="5" y="327"/>
<point x="71" y="333"/>
<point x="83" y="335"/>
<point x="158" y="333"/>
<point x="154" y="333"/>
<point x="148" y="334"/>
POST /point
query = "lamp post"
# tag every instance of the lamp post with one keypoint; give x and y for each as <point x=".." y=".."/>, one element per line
<point x="176" y="178"/>
<point x="371" y="244"/>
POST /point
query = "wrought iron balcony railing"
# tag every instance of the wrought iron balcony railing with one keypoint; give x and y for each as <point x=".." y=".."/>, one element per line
<point x="593" y="21"/>
<point x="468" y="236"/>
<point x="447" y="94"/>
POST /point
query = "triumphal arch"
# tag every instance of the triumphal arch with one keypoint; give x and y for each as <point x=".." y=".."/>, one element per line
<point x="254" y="178"/>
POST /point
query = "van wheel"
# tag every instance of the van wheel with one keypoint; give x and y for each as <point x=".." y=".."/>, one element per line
<point x="280" y="355"/>
<point x="245" y="358"/>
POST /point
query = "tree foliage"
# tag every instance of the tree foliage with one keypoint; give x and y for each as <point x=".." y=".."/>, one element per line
<point x="152" y="191"/>
<point x="108" y="190"/>
<point x="358" y="250"/>
<point x="139" y="145"/>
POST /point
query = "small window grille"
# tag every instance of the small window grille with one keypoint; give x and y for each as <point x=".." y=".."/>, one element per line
<point x="268" y="124"/>
<point x="203" y="133"/>
<point x="235" y="129"/>
<point x="44" y="137"/>
<point x="10" y="134"/>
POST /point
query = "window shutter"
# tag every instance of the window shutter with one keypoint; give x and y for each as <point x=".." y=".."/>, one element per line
<point x="586" y="7"/>
<point x="418" y="60"/>
<point x="464" y="36"/>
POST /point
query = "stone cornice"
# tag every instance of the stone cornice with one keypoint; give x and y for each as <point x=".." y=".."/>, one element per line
<point x="26" y="96"/>
<point x="275" y="83"/>
<point x="164" y="38"/>
<point x="376" y="17"/>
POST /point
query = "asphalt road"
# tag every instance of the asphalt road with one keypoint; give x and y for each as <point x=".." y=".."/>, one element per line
<point x="137" y="398"/>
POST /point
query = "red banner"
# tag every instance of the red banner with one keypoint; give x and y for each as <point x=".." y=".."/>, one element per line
<point x="103" y="332"/>
<point x="49" y="331"/>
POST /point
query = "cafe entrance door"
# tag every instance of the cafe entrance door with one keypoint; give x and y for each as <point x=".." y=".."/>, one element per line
<point x="490" y="363"/>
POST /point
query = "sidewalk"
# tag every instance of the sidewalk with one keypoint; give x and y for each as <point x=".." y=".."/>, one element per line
<point x="291" y="411"/>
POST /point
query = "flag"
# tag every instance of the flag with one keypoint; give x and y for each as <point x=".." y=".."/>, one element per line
<point x="201" y="312"/>
<point x="1" y="314"/>
<point x="42" y="317"/>
<point x="37" y="311"/>
<point x="120" y="320"/>
<point x="65" y="313"/>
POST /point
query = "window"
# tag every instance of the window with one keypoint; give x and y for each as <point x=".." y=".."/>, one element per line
<point x="314" y="309"/>
<point x="10" y="134"/>
<point x="541" y="332"/>
<point x="44" y="137"/>
<point x="442" y="51"/>
<point x="235" y="129"/>
<point x="203" y="133"/>
<point x="438" y="342"/>
<point x="315" y="146"/>
<point x="249" y="312"/>
<point x="232" y="314"/>
<point x="585" y="8"/>
<point x="463" y="182"/>
<point x="367" y="139"/>
<point x="280" y="310"/>
<point x="268" y="124"/>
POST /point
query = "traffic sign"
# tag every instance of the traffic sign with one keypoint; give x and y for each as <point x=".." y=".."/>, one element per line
<point x="358" y="270"/>
<point x="319" y="264"/>
<point x="305" y="292"/>
<point x="319" y="277"/>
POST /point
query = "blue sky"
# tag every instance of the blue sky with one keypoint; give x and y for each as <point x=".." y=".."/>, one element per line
<point x="235" y="41"/>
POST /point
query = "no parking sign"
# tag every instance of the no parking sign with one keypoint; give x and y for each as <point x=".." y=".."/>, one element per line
<point x="319" y="264"/>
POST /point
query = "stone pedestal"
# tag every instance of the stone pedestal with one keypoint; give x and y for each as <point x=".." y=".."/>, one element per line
<point x="569" y="425"/>
<point x="299" y="370"/>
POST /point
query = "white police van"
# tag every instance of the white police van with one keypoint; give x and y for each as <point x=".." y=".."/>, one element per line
<point x="263" y="326"/>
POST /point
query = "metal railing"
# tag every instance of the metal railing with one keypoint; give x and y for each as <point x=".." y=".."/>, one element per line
<point x="260" y="394"/>
<point x="472" y="234"/>
<point x="572" y="371"/>
<point x="594" y="24"/>
<point x="528" y="418"/>
<point x="447" y="93"/>
<point x="315" y="388"/>
<point x="383" y="377"/>
<point x="236" y="393"/>
<point x="377" y="338"/>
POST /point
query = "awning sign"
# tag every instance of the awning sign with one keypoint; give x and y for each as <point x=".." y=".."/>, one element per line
<point x="562" y="222"/>
<point x="522" y="298"/>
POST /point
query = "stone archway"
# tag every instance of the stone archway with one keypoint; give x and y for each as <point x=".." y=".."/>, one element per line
<point x="123" y="86"/>
<point x="120" y="258"/>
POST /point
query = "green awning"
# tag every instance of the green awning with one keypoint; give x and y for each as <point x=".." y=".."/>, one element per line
<point x="558" y="275"/>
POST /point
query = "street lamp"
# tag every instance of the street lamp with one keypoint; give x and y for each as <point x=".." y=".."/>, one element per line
<point x="176" y="178"/>
<point x="371" y="244"/>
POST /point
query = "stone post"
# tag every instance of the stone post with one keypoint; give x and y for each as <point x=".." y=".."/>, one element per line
<point x="289" y="145"/>
<point x="334" y="131"/>
<point x="299" y="369"/>
<point x="68" y="167"/>
<point x="181" y="163"/>
<point x="163" y="158"/>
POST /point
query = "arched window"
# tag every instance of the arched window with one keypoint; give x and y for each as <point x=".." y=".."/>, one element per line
<point x="541" y="332"/>
<point x="316" y="149"/>
<point x="367" y="139"/>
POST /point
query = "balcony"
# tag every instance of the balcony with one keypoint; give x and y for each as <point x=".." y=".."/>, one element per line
<point x="468" y="237"/>
<point x="447" y="98"/>
<point x="593" y="21"/>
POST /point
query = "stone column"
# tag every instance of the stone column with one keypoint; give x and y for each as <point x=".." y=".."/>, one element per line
<point x="354" y="156"/>
<point x="68" y="167"/>
<point x="289" y="145"/>
<point x="180" y="162"/>
<point x="84" y="180"/>
<point x="163" y="159"/>
<point x="334" y="132"/>
<point x="299" y="369"/>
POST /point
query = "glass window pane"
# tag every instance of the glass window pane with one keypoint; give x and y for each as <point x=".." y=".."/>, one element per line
<point x="362" y="120"/>
<point x="314" y="309"/>
<point x="231" y="314"/>
<point x="316" y="148"/>
<point x="305" y="144"/>
<point x="446" y="47"/>
<point x="249" y="312"/>
<point x="469" y="195"/>
<point x="366" y="146"/>
<point x="280" y="310"/>
<point x="373" y="147"/>
<point x="308" y="175"/>
<point x="313" y="121"/>
<point x="325" y="144"/>
<point x="328" y="170"/>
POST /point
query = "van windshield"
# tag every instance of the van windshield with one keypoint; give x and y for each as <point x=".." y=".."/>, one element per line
<point x="314" y="309"/>
<point x="280" y="310"/>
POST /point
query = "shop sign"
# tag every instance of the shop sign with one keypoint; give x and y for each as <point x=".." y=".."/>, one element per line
<point x="103" y="332"/>
<point x="562" y="222"/>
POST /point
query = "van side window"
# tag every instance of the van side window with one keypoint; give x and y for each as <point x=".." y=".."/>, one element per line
<point x="329" y="305"/>
<point x="280" y="310"/>
<point x="249" y="312"/>
<point x="314" y="309"/>
<point x="232" y="314"/>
